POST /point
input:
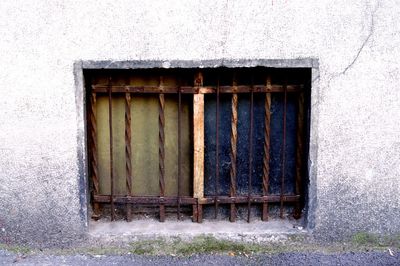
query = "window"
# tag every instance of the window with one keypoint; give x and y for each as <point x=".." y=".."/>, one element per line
<point x="202" y="143"/>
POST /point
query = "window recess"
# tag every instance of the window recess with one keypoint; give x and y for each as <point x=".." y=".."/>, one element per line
<point x="198" y="143"/>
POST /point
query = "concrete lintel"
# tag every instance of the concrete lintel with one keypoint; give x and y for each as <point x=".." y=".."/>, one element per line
<point x="142" y="64"/>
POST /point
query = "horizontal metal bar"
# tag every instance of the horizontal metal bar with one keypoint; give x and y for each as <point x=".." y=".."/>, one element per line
<point x="172" y="201"/>
<point x="192" y="90"/>
<point x="252" y="199"/>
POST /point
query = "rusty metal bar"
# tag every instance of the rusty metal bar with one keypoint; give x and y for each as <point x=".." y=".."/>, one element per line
<point x="146" y="200"/>
<point x="267" y="129"/>
<point x="111" y="151"/>
<point x="179" y="154"/>
<point x="161" y="150"/>
<point x="128" y="153"/>
<point x="299" y="152"/>
<point x="199" y="211"/>
<point x="255" y="199"/>
<point x="195" y="215"/>
<point x="93" y="154"/>
<point x="217" y="152"/>
<point x="283" y="152"/>
<point x="197" y="89"/>
<point x="250" y="156"/>
<point x="173" y="201"/>
<point x="233" y="153"/>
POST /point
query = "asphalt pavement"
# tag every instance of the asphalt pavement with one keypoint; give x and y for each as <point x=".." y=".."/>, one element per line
<point x="387" y="257"/>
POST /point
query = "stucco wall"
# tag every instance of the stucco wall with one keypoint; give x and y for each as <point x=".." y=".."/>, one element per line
<point x="355" y="103"/>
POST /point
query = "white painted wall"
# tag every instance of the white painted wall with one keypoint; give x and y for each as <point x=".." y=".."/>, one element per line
<point x="356" y="102"/>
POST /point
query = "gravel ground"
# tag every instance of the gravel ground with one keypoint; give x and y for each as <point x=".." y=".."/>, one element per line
<point x="289" y="258"/>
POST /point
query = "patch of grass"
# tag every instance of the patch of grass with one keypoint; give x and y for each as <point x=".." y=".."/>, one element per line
<point x="149" y="247"/>
<point x="376" y="241"/>
<point x="201" y="245"/>
<point x="15" y="249"/>
<point x="363" y="238"/>
<point x="206" y="244"/>
<point x="209" y="244"/>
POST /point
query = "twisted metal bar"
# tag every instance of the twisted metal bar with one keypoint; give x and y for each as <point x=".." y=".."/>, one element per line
<point x="128" y="152"/>
<point x="233" y="154"/>
<point x="299" y="152"/>
<point x="93" y="153"/>
<point x="267" y="129"/>
<point x="161" y="152"/>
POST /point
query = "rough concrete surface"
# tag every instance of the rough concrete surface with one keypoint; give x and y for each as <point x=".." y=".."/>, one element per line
<point x="289" y="258"/>
<point x="354" y="142"/>
<point x="256" y="232"/>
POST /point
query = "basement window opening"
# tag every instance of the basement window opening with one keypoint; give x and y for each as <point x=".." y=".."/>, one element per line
<point x="212" y="143"/>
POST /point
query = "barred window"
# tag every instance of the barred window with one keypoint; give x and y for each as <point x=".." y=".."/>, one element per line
<point x="222" y="143"/>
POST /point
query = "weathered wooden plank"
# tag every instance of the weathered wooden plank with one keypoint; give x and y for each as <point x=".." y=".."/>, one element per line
<point x="198" y="145"/>
<point x="198" y="141"/>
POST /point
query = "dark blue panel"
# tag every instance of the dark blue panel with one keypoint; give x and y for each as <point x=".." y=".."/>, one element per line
<point x="277" y="110"/>
<point x="242" y="162"/>
<point x="224" y="144"/>
<point x="243" y="143"/>
<point x="258" y="142"/>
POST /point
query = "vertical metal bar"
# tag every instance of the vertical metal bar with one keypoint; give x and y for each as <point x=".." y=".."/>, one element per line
<point x="267" y="129"/>
<point x="199" y="211"/>
<point x="128" y="153"/>
<point x="195" y="215"/>
<point x="179" y="153"/>
<point x="161" y="150"/>
<point x="233" y="154"/>
<point x="111" y="149"/>
<point x="283" y="150"/>
<point x="93" y="153"/>
<point x="299" y="152"/>
<point x="250" y="154"/>
<point x="216" y="153"/>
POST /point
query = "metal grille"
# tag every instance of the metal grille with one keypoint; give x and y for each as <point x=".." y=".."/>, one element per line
<point x="198" y="199"/>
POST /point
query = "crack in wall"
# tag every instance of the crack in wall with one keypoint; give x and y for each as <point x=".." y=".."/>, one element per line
<point x="359" y="50"/>
<point x="371" y="32"/>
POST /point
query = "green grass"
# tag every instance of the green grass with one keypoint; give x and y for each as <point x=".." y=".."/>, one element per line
<point x="15" y="249"/>
<point x="206" y="244"/>
<point x="201" y="244"/>
<point x="377" y="241"/>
